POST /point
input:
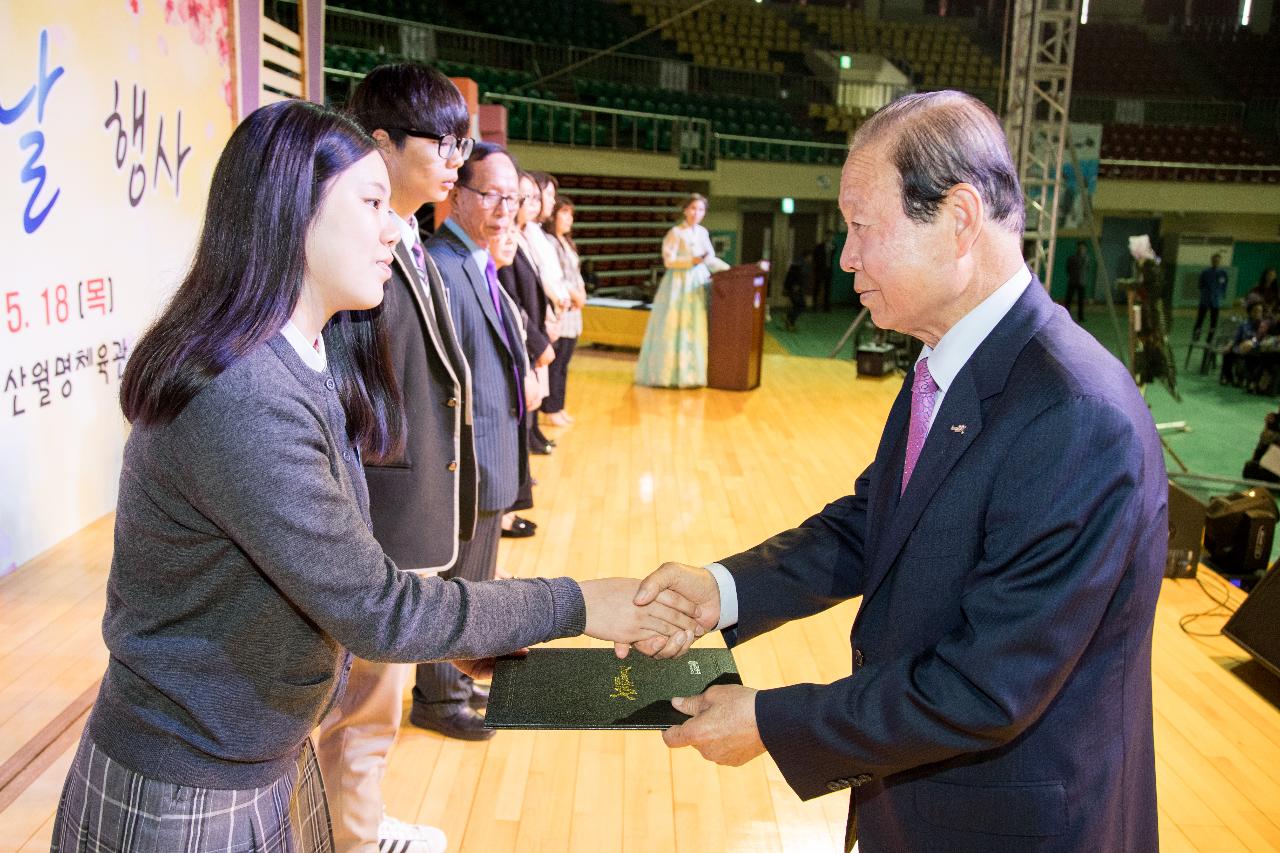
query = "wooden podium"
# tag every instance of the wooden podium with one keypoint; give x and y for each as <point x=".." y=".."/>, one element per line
<point x="735" y="328"/>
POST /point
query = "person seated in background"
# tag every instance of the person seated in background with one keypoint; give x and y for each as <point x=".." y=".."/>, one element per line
<point x="1266" y="292"/>
<point x="1265" y="462"/>
<point x="1247" y="338"/>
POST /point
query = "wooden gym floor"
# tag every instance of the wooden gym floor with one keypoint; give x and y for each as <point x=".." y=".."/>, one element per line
<point x="646" y="475"/>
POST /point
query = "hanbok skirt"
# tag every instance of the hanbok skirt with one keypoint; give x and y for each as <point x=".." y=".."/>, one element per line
<point x="674" y="353"/>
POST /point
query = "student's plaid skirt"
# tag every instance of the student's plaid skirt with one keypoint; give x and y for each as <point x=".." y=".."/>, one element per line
<point x="107" y="807"/>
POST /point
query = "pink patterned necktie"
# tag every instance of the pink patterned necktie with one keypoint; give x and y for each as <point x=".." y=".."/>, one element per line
<point x="923" y="393"/>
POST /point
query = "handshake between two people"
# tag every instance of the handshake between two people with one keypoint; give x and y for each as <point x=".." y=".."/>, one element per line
<point x="661" y="616"/>
<point x="722" y="720"/>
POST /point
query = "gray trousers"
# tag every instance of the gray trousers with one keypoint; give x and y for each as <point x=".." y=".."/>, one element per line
<point x="440" y="685"/>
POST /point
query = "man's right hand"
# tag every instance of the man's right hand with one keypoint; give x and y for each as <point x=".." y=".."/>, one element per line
<point x="548" y="356"/>
<point x="693" y="583"/>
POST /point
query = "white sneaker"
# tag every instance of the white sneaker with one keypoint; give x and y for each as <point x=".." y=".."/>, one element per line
<point x="396" y="836"/>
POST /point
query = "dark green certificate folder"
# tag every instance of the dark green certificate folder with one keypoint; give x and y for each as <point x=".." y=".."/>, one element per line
<point x="593" y="689"/>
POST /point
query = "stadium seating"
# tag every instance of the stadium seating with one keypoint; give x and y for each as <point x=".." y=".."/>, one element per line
<point x="1115" y="59"/>
<point x="1215" y="150"/>
<point x="1112" y="60"/>
<point x="937" y="56"/>
<point x="734" y="114"/>
<point x="501" y="80"/>
<point x="1244" y="64"/>
<point x="420" y="11"/>
<point x="619" y="223"/>
<point x="583" y="23"/>
<point x="726" y="34"/>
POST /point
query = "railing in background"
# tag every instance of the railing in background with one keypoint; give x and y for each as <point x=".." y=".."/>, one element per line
<point x="734" y="147"/>
<point x="1154" y="111"/>
<point x="559" y="123"/>
<point x="431" y="42"/>
<point x="1158" y="170"/>
<point x="1262" y="117"/>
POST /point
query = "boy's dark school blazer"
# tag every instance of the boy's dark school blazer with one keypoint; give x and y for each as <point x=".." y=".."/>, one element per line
<point x="424" y="503"/>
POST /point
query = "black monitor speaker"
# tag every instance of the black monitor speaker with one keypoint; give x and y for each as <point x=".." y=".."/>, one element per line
<point x="1255" y="626"/>
<point x="1237" y="534"/>
<point x="1186" y="533"/>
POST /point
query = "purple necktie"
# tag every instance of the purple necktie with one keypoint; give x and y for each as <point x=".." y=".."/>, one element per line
<point x="415" y="249"/>
<point x="923" y="393"/>
<point x="419" y="258"/>
<point x="495" y="293"/>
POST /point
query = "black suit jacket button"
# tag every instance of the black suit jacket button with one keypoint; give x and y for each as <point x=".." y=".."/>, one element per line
<point x="453" y="466"/>
<point x="452" y="402"/>
<point x="860" y="779"/>
<point x="834" y="786"/>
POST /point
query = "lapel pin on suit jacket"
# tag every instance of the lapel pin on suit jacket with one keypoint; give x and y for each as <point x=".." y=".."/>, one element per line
<point x="958" y="428"/>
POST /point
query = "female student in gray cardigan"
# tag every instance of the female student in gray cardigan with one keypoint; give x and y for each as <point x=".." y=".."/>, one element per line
<point x="245" y="574"/>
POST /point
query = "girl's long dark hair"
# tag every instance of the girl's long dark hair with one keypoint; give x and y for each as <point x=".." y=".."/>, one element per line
<point x="247" y="276"/>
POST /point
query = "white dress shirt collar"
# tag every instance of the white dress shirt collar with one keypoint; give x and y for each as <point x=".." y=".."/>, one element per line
<point x="479" y="254"/>
<point x="312" y="354"/>
<point x="962" y="340"/>
<point x="408" y="231"/>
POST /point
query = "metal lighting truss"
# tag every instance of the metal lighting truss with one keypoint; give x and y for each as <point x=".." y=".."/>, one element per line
<point x="1036" y="114"/>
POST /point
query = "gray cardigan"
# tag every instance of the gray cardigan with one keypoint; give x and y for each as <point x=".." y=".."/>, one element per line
<point x="244" y="569"/>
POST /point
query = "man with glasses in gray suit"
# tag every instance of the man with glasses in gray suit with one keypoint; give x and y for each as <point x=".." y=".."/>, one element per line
<point x="483" y="204"/>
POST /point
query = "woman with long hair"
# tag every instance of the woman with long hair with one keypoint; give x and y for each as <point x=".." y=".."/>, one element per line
<point x="560" y="227"/>
<point x="245" y="574"/>
<point x="1266" y="292"/>
<point x="674" y="352"/>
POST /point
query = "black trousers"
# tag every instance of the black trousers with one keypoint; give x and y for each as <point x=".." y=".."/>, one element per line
<point x="1075" y="289"/>
<point x="796" y="308"/>
<point x="558" y="374"/>
<point x="822" y="291"/>
<point x="438" y="685"/>
<point x="1212" y="311"/>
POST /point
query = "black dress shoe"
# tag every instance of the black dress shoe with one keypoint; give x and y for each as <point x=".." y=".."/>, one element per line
<point x="521" y="528"/>
<point x="479" y="698"/>
<point x="462" y="723"/>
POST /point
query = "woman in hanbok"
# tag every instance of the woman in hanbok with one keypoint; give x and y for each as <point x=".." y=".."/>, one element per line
<point x="674" y="353"/>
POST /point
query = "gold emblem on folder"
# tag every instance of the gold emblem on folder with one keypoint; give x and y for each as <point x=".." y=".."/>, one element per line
<point x="623" y="686"/>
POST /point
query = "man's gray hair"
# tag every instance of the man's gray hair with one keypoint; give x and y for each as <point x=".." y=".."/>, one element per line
<point x="939" y="139"/>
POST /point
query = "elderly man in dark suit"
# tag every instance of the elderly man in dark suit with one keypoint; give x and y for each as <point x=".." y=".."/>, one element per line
<point x="483" y="205"/>
<point x="1008" y="541"/>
